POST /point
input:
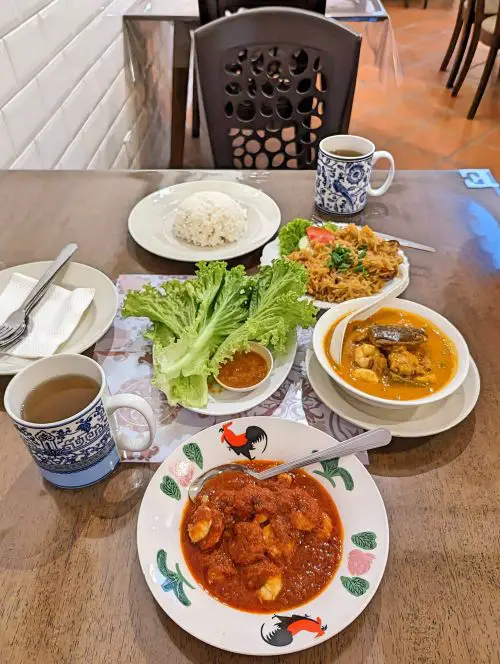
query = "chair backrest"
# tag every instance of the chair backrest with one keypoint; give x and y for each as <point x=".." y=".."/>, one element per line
<point x="274" y="82"/>
<point x="210" y="10"/>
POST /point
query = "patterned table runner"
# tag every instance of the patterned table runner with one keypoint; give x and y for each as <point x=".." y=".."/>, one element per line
<point x="126" y="359"/>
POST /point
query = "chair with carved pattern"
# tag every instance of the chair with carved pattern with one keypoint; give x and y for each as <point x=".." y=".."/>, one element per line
<point x="211" y="10"/>
<point x="274" y="82"/>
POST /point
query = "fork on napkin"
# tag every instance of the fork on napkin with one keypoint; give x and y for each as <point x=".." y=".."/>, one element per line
<point x="52" y="322"/>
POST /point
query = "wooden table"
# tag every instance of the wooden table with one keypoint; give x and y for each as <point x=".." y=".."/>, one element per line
<point x="71" y="589"/>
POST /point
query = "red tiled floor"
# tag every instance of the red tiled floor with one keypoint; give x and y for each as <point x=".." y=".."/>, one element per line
<point x="419" y="121"/>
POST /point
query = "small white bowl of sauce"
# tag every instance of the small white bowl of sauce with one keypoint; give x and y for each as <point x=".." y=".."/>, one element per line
<point x="246" y="370"/>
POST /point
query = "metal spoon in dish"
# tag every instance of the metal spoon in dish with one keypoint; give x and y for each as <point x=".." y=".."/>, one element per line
<point x="337" y="341"/>
<point x="364" y="441"/>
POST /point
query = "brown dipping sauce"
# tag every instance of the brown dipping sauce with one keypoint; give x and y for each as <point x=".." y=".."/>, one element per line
<point x="244" y="370"/>
<point x="233" y="567"/>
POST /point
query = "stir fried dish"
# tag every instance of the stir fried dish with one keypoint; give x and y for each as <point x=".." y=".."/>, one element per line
<point x="342" y="263"/>
<point x="262" y="546"/>
<point x="395" y="355"/>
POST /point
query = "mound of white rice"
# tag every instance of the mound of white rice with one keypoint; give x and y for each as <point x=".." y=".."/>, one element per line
<point x="210" y="219"/>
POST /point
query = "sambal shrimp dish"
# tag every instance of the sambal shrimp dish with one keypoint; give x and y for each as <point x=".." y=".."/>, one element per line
<point x="262" y="546"/>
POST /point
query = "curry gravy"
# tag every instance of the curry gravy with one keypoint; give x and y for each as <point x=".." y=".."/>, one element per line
<point x="438" y="347"/>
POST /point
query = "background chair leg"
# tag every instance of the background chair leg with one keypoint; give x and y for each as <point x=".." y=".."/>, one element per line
<point x="453" y="43"/>
<point x="461" y="50"/>
<point x="426" y="2"/>
<point x="468" y="60"/>
<point x="195" y="128"/>
<point x="483" y="82"/>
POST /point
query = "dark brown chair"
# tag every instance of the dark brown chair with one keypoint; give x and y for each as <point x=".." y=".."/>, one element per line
<point x="475" y="11"/>
<point x="489" y="35"/>
<point x="454" y="35"/>
<point x="274" y="82"/>
<point x="483" y="9"/>
<point x="211" y="10"/>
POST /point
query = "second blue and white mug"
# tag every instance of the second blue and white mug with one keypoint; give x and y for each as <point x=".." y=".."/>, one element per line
<point x="84" y="448"/>
<point x="343" y="174"/>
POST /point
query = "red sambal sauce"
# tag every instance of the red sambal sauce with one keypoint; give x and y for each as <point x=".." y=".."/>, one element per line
<point x="244" y="370"/>
<point x="262" y="546"/>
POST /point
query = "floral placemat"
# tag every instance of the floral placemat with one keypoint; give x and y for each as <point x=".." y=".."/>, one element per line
<point x="126" y="359"/>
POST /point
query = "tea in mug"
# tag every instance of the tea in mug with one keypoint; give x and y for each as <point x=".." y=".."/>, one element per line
<point x="347" y="153"/>
<point x="59" y="398"/>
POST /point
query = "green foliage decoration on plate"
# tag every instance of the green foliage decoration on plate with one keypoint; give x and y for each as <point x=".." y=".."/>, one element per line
<point x="170" y="488"/>
<point x="193" y="453"/>
<point x="332" y="469"/>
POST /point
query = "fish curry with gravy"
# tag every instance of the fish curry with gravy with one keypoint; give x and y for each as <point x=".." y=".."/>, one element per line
<point x="262" y="546"/>
<point x="395" y="354"/>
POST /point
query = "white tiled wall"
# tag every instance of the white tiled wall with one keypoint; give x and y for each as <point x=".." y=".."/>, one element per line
<point x="65" y="101"/>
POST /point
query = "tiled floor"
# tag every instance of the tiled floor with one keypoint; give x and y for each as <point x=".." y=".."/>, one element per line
<point x="418" y="121"/>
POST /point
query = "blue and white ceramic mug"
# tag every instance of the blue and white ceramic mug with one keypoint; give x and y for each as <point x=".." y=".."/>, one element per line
<point x="343" y="182"/>
<point x="83" y="448"/>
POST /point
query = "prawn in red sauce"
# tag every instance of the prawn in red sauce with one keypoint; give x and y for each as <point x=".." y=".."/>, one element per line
<point x="262" y="546"/>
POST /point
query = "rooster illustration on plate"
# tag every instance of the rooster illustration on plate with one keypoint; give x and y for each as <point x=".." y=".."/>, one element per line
<point x="244" y="443"/>
<point x="286" y="628"/>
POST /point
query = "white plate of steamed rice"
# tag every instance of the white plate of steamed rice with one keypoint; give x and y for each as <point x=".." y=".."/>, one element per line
<point x="204" y="220"/>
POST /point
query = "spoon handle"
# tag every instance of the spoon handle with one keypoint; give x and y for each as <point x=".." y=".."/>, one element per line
<point x="364" y="441"/>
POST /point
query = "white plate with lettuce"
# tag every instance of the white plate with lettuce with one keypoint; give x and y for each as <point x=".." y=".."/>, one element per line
<point x="224" y="402"/>
<point x="200" y="323"/>
<point x="359" y="263"/>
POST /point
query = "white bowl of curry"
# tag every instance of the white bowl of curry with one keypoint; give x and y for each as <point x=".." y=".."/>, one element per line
<point x="404" y="355"/>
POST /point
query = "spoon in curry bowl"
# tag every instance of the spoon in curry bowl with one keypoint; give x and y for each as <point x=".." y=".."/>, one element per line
<point x="364" y="441"/>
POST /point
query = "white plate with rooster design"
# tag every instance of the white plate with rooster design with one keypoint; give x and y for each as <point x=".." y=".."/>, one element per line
<point x="365" y="540"/>
<point x="401" y="280"/>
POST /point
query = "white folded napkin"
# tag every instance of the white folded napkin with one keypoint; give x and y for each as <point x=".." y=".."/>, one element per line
<point x="52" y="322"/>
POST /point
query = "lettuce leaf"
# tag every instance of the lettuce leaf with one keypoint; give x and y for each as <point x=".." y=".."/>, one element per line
<point x="173" y="305"/>
<point x="201" y="322"/>
<point x="276" y="309"/>
<point x="190" y="354"/>
<point x="289" y="236"/>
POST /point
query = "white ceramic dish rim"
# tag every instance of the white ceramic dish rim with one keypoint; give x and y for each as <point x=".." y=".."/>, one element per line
<point x="148" y="525"/>
<point x="271" y="251"/>
<point x="327" y="320"/>
<point x="414" y="430"/>
<point x="263" y="352"/>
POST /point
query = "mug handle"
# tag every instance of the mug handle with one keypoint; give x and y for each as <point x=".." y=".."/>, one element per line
<point x="140" y="442"/>
<point x="381" y="154"/>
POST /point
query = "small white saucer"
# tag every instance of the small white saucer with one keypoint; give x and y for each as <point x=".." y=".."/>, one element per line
<point x="408" y="422"/>
<point x="95" y="321"/>
<point x="226" y="402"/>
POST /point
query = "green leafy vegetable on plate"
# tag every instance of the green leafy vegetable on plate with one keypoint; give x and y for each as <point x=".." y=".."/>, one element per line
<point x="200" y="323"/>
<point x="290" y="235"/>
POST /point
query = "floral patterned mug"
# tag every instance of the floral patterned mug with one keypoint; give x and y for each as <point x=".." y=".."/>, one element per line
<point x="81" y="449"/>
<point x="343" y="174"/>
